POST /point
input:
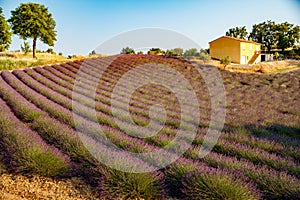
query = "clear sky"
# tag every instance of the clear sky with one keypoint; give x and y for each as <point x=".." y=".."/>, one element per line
<point x="82" y="25"/>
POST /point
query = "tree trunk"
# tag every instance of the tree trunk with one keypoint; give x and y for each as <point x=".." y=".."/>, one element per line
<point x="34" y="47"/>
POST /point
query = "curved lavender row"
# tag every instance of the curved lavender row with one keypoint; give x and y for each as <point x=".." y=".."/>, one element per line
<point x="68" y="103"/>
<point x="49" y="129"/>
<point x="271" y="160"/>
<point x="69" y="137"/>
<point x="102" y="86"/>
<point x="263" y="158"/>
<point x="66" y="139"/>
<point x="288" y="164"/>
<point x="65" y="116"/>
<point x="274" y="184"/>
<point x="25" y="149"/>
<point x="67" y="94"/>
<point x="137" y="103"/>
<point x="102" y="95"/>
<point x="255" y="155"/>
<point x="89" y="64"/>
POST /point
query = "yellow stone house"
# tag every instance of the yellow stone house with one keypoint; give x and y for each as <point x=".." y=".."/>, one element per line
<point x="240" y="51"/>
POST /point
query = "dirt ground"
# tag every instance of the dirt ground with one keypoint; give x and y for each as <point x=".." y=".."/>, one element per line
<point x="14" y="187"/>
<point x="263" y="67"/>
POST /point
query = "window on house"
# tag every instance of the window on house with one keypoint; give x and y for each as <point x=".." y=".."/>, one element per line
<point x="243" y="46"/>
<point x="250" y="47"/>
<point x="257" y="48"/>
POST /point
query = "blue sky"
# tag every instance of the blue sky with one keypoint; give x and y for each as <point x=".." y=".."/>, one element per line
<point x="82" y="25"/>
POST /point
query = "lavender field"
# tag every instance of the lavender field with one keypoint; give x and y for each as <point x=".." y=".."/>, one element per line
<point x="257" y="155"/>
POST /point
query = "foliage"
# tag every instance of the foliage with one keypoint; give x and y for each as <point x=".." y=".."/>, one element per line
<point x="204" y="56"/>
<point x="25" y="47"/>
<point x="193" y="52"/>
<point x="127" y="50"/>
<point x="176" y="52"/>
<point x="93" y="53"/>
<point x="155" y="51"/>
<point x="60" y="53"/>
<point x="237" y="32"/>
<point x="287" y="35"/>
<point x="122" y="185"/>
<point x="31" y="20"/>
<point x="225" y="61"/>
<point x="50" y="50"/>
<point x="5" y="33"/>
<point x="276" y="55"/>
<point x="212" y="184"/>
<point x="264" y="33"/>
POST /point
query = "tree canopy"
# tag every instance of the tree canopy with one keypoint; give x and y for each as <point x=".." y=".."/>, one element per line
<point x="127" y="50"/>
<point x="31" y="20"/>
<point x="265" y="33"/>
<point x="193" y="52"/>
<point x="287" y="35"/>
<point x="238" y="32"/>
<point x="156" y="51"/>
<point x="5" y="33"/>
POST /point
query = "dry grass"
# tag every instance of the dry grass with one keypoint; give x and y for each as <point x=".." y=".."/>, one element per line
<point x="12" y="60"/>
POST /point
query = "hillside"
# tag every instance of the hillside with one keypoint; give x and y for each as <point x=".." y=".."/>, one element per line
<point x="257" y="155"/>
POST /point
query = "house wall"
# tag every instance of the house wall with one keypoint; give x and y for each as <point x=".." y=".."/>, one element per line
<point x="238" y="51"/>
<point x="223" y="47"/>
<point x="249" y="51"/>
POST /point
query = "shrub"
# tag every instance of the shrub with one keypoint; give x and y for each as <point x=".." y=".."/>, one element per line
<point x="25" y="47"/>
<point x="122" y="185"/>
<point x="225" y="61"/>
<point x="216" y="184"/>
<point x="204" y="56"/>
<point x="276" y="55"/>
<point x="175" y="173"/>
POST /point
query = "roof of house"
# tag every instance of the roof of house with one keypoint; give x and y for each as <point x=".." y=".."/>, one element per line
<point x="238" y="39"/>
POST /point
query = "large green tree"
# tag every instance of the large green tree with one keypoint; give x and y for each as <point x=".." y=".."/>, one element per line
<point x="5" y="33"/>
<point x="287" y="35"/>
<point x="265" y="33"/>
<point x="31" y="20"/>
<point x="238" y="32"/>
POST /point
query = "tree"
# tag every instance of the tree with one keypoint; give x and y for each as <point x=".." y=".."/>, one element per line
<point x="31" y="20"/>
<point x="127" y="50"/>
<point x="225" y="61"/>
<point x="25" y="47"/>
<point x="5" y="33"/>
<point x="238" y="32"/>
<point x="177" y="51"/>
<point x="193" y="52"/>
<point x="156" y="51"/>
<point x="50" y="50"/>
<point x="264" y="33"/>
<point x="92" y="53"/>
<point x="287" y="35"/>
